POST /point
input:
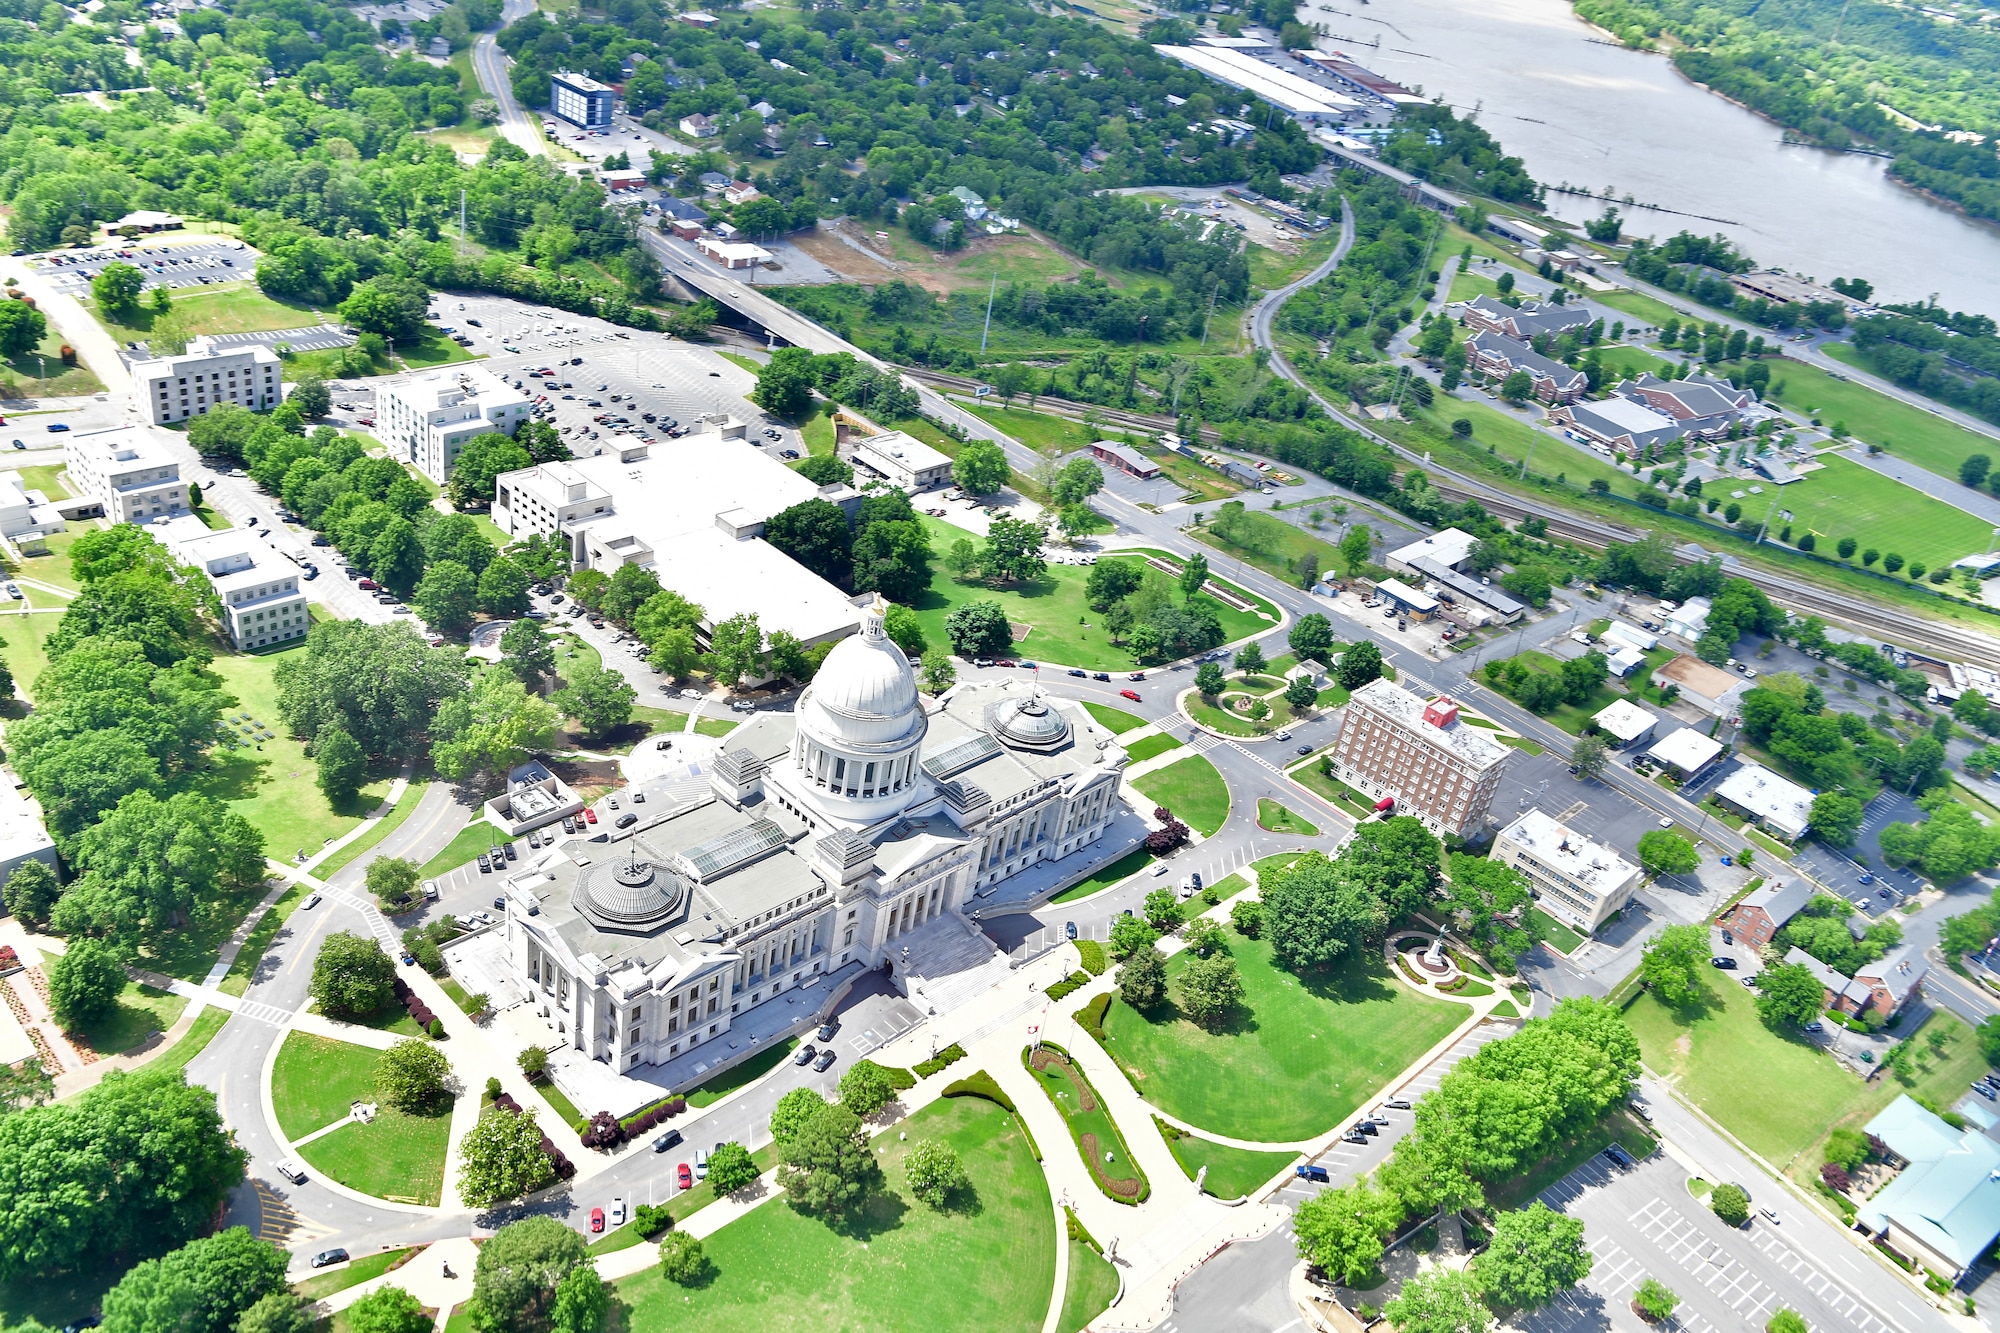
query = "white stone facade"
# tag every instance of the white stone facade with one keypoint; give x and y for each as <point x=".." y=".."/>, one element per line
<point x="175" y="388"/>
<point x="427" y="419"/>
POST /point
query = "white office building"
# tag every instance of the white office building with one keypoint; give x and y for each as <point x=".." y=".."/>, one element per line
<point x="24" y="836"/>
<point x="848" y="835"/>
<point x="262" y="602"/>
<point x="174" y="388"/>
<point x="27" y="517"/>
<point x="1575" y="880"/>
<point x="903" y="461"/>
<point x="128" y="474"/>
<point x="427" y="419"/>
<point x="695" y="517"/>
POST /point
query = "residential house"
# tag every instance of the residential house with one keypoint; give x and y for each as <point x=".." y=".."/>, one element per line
<point x="1498" y="355"/>
<point x="699" y="126"/>
<point x="1689" y="620"/>
<point x="740" y="192"/>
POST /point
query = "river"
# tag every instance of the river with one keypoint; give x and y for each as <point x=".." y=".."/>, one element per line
<point x="1580" y="110"/>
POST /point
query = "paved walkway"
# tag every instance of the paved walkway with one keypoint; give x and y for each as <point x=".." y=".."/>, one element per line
<point x="375" y="816"/>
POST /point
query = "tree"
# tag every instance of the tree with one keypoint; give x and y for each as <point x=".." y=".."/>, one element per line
<point x="148" y="1151"/>
<point x="1835" y="819"/>
<point x="785" y="383"/>
<point x="84" y="983"/>
<point x="277" y="1312"/>
<point x="816" y="534"/>
<point x="866" y="1088"/>
<point x="1665" y="853"/>
<point x="1162" y="909"/>
<point x="1784" y="1320"/>
<point x="1730" y="1203"/>
<point x="1672" y="964"/>
<point x="1142" y="979"/>
<point x="793" y="1109"/>
<point x="1355" y="548"/>
<point x="411" y="1076"/>
<point x="631" y="589"/>
<point x="528" y="652"/>
<point x="828" y="1167"/>
<point x="481" y="461"/>
<point x="310" y="395"/>
<point x="151" y="862"/>
<point x="393" y="881"/>
<point x="391" y="306"/>
<point x="939" y="673"/>
<point x="1534" y="1254"/>
<point x="730" y="1169"/>
<point x="1789" y="993"/>
<point x="503" y="588"/>
<point x="519" y="1270"/>
<point x="1654" y="1301"/>
<point x="447" y="597"/>
<point x="202" y="1287"/>
<point x="1973" y="469"/>
<point x="736" y="649"/>
<point x="388" y="1310"/>
<point x="1078" y="481"/>
<point x="1589" y="755"/>
<point x="1341" y="1231"/>
<point x="977" y="629"/>
<point x="980" y="468"/>
<point x="457" y="537"/>
<point x="598" y="699"/>
<point x="1109" y="582"/>
<point x="1250" y="660"/>
<point x="894" y="559"/>
<point x="1013" y="551"/>
<point x="22" y="328"/>
<point x="31" y="892"/>
<point x="352" y="977"/>
<point x="383" y="683"/>
<point x="1311" y="638"/>
<point x="1439" y="1300"/>
<point x="682" y="1260"/>
<point x="1129" y="934"/>
<point x="1208" y="679"/>
<point x="1319" y="911"/>
<point x="116" y="290"/>
<point x="1194" y="573"/>
<point x="503" y="1158"/>
<point x="934" y="1172"/>
<point x="1300" y="694"/>
<point x="1210" y="988"/>
<point x="490" y="728"/>
<point x="342" y="767"/>
<point x="1518" y="387"/>
<point x="1359" y="664"/>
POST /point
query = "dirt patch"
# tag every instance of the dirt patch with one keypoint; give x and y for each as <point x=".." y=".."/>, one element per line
<point x="1684" y="1044"/>
<point x="842" y="258"/>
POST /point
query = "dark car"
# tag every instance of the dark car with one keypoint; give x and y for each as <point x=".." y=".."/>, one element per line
<point x="1305" y="749"/>
<point x="1078" y="671"/>
<point x="328" y="1258"/>
<point x="825" y="1061"/>
<point x="806" y="1054"/>
<point x="1069" y="930"/>
<point x="500" y="904"/>
<point x="512" y="855"/>
<point x="485" y="864"/>
<point x="1100" y="675"/>
<point x="668" y="1140"/>
<point x="1313" y="1172"/>
<point x="1368" y="1127"/>
<point x="828" y="1028"/>
<point x="1726" y="964"/>
<point x="627" y="820"/>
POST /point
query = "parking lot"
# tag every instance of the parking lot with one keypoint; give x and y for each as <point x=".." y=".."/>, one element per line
<point x="195" y="262"/>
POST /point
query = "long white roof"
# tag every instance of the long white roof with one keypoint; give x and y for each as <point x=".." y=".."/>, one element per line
<point x="1284" y="90"/>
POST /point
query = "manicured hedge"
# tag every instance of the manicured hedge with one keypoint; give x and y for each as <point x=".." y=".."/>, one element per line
<point x="1091" y="954"/>
<point x="949" y="1055"/>
<point x="1075" y="981"/>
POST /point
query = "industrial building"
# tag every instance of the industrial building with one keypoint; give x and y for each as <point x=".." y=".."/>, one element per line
<point x="1300" y="98"/>
<point x="902" y="460"/>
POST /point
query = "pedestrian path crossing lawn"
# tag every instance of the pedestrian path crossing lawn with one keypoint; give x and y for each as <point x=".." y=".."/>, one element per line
<point x="984" y="1265"/>
<point x="1232" y="1172"/>
<point x="1300" y="1055"/>
<point x="314" y="1084"/>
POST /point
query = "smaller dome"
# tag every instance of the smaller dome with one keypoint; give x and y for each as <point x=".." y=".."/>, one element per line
<point x="1027" y="724"/>
<point x="628" y="895"/>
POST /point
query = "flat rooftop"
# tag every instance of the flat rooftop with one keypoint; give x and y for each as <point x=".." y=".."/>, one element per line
<point x="1589" y="864"/>
<point x="1473" y="745"/>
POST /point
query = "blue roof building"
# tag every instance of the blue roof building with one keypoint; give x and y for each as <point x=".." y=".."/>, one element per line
<point x="1943" y="1210"/>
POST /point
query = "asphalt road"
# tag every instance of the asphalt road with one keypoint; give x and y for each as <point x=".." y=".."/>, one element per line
<point x="490" y="63"/>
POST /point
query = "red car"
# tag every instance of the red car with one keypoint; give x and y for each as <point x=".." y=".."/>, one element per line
<point x="1133" y="695"/>
<point x="686" y="1175"/>
<point x="590" y="814"/>
<point x="597" y="1219"/>
<point x="367" y="583"/>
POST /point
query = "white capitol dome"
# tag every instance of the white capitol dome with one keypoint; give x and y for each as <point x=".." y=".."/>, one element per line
<point x="865" y="691"/>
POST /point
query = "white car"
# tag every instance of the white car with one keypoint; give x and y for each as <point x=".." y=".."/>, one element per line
<point x="292" y="1171"/>
<point x="312" y="901"/>
<point x="692" y="694"/>
<point x="618" y="1212"/>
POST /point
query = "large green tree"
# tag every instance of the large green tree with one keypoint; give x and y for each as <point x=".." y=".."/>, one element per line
<point x="1317" y="911"/>
<point x="152" y="864"/>
<point x="1341" y="1231"/>
<point x="447" y="597"/>
<point x="981" y="468"/>
<point x="503" y="1159"/>
<point x="490" y="729"/>
<point x="1534" y="1254"/>
<point x="202" y="1287"/>
<point x="352" y="977"/>
<point x="85" y="982"/>
<point x="481" y="460"/>
<point x="383" y="683"/>
<point x="1789" y="993"/>
<point x="828" y="1168"/>
<point x="1672" y="964"/>
<point x="597" y="699"/>
<point x="785" y="383"/>
<point x="514" y="1283"/>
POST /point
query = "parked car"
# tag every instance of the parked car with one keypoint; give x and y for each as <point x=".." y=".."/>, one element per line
<point x="292" y="1171"/>
<point x="683" y="1176"/>
<point x="328" y="1258"/>
<point x="1354" y="1136"/>
<point x="806" y="1054"/>
<point x="666" y="1141"/>
<point x="597" y="1219"/>
<point x="627" y="820"/>
<point x="828" y="1028"/>
<point x="1725" y="964"/>
<point x="617" y="1212"/>
<point x="701" y="1164"/>
<point x="1314" y="1172"/>
<point x="1396" y="1103"/>
<point x="825" y="1061"/>
<point x="1069" y="930"/>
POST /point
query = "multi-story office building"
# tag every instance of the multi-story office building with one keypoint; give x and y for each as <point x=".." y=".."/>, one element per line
<point x="262" y="602"/>
<point x="174" y="388"/>
<point x="132" y="477"/>
<point x="1576" y="881"/>
<point x="581" y="100"/>
<point x="428" y="419"/>
<point x="1418" y="755"/>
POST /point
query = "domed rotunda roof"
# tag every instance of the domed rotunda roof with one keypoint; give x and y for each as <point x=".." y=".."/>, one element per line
<point x="865" y="692"/>
<point x="1027" y="723"/>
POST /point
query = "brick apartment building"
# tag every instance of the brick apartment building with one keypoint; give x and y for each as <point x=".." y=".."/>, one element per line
<point x="1765" y="911"/>
<point x="1419" y="755"/>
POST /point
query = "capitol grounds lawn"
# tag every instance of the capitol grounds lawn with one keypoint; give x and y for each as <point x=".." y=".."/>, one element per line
<point x="1127" y="865"/>
<point x="985" y="1266"/>
<point x="1554" y="931"/>
<point x="1278" y="819"/>
<point x="1726" y="1061"/>
<point x="397" y="1157"/>
<point x="258" y="942"/>
<point x="413" y="796"/>
<point x="1147" y="746"/>
<point x="365" y="1269"/>
<point x="1193" y="790"/>
<point x="1115" y="720"/>
<point x="1062" y="629"/>
<point x="742" y="1074"/>
<point x="1092" y="1284"/>
<point x="140" y="1011"/>
<point x="1232" y="1172"/>
<point x="473" y="839"/>
<point x="1332" y="789"/>
<point x="1298" y="1057"/>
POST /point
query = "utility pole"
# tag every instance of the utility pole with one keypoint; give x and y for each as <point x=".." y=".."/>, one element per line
<point x="1212" y="293"/>
<point x="991" y="287"/>
<point x="1767" y="520"/>
<point x="461" y="215"/>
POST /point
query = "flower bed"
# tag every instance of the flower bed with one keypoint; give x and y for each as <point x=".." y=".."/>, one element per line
<point x="1090" y="1125"/>
<point x="10" y="962"/>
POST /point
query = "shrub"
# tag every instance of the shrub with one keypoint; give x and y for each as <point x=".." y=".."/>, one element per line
<point x="979" y="1083"/>
<point x="534" y="1062"/>
<point x="436" y="1028"/>
<point x="1653" y="1301"/>
<point x="1091" y="954"/>
<point x="1070" y="984"/>
<point x="1730" y="1203"/>
<point x="1091" y="1017"/>
<point x="1836" y="1177"/>
<point x="949" y="1055"/>
<point x="650" y="1221"/>
<point x="682" y="1261"/>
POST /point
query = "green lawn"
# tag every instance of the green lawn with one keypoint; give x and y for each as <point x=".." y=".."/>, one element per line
<point x="1115" y="720"/>
<point x="21" y="639"/>
<point x="192" y="1043"/>
<point x="741" y="1075"/>
<point x="1654" y="312"/>
<point x="1554" y="931"/>
<point x="1129" y="864"/>
<point x="1275" y="817"/>
<point x="1232" y="1172"/>
<point x="1727" y="1061"/>
<point x="473" y="839"/>
<point x="238" y="307"/>
<point x="272" y="783"/>
<point x="1301" y="1055"/>
<point x="1092" y="1284"/>
<point x="139" y="1012"/>
<point x="413" y="794"/>
<point x="316" y="1080"/>
<point x="1038" y="430"/>
<point x="1193" y="790"/>
<point x="26" y="370"/>
<point x="1225" y="720"/>
<point x="1465" y="286"/>
<point x="365" y="1269"/>
<point x="900" y="1267"/>
<point x="398" y="1157"/>
<point x="1511" y="439"/>
<point x="1280" y="555"/>
<point x="715" y="726"/>
<point x="1845" y="499"/>
<point x="1061" y="627"/>
<point x="1148" y="746"/>
<point x="1098" y="1138"/>
<point x="1307" y="775"/>
<point x="1908" y="432"/>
